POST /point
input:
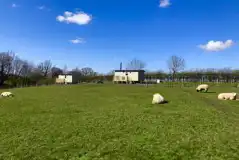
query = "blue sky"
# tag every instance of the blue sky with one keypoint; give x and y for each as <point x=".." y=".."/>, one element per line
<point x="118" y="31"/>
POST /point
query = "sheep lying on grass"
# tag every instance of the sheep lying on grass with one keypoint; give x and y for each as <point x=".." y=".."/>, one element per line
<point x="202" y="87"/>
<point x="227" y="96"/>
<point x="158" y="99"/>
<point x="6" y="94"/>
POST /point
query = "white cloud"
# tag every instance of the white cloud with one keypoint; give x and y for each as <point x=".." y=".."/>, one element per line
<point x="79" y="18"/>
<point x="77" y="41"/>
<point x="164" y="3"/>
<point x="14" y="5"/>
<point x="68" y="13"/>
<point x="41" y="7"/>
<point x="215" y="46"/>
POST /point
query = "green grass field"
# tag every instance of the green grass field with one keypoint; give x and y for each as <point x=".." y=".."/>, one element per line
<point x="81" y="122"/>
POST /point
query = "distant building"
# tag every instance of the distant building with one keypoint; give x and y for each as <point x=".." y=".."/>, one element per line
<point x="128" y="76"/>
<point x="60" y="81"/>
<point x="64" y="78"/>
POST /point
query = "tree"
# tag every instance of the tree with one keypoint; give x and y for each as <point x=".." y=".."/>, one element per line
<point x="6" y="59"/>
<point x="88" y="72"/>
<point x="17" y="66"/>
<point x="27" y="68"/>
<point x="45" y="67"/>
<point x="176" y="64"/>
<point x="65" y="69"/>
<point x="35" y="75"/>
<point x="56" y="71"/>
<point x="136" y="64"/>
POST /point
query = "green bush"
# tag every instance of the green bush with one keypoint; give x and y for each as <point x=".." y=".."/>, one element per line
<point x="46" y="81"/>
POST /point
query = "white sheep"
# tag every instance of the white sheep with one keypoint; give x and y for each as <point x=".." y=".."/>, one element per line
<point x="227" y="96"/>
<point x="202" y="87"/>
<point x="6" y="94"/>
<point x="157" y="99"/>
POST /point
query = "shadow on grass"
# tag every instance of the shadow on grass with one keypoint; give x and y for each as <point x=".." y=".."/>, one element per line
<point x="208" y="92"/>
<point x="164" y="102"/>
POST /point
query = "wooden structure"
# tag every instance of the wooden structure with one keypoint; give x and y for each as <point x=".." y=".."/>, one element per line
<point x="64" y="79"/>
<point x="128" y="76"/>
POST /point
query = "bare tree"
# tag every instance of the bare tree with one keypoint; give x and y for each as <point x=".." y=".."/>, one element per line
<point x="55" y="71"/>
<point x="45" y="67"/>
<point x="6" y="59"/>
<point x="65" y="69"/>
<point x="136" y="64"/>
<point x="17" y="66"/>
<point x="88" y="71"/>
<point x="26" y="69"/>
<point x="176" y="64"/>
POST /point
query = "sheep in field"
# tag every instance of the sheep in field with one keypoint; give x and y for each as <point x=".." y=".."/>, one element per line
<point x="6" y="94"/>
<point x="202" y="87"/>
<point x="227" y="96"/>
<point x="158" y="99"/>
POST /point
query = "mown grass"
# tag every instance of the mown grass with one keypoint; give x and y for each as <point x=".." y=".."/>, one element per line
<point x="118" y="122"/>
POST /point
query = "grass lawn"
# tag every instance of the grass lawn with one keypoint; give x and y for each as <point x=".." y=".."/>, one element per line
<point x="81" y="122"/>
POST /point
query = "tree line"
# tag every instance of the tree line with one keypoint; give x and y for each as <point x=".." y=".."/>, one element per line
<point x="176" y="66"/>
<point x="16" y="72"/>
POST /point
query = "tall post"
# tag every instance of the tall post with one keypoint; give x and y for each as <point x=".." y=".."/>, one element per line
<point x="126" y="77"/>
